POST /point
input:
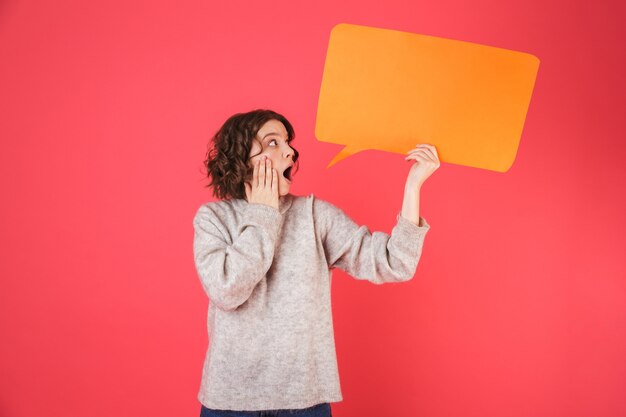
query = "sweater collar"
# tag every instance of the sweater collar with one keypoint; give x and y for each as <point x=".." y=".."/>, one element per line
<point x="284" y="202"/>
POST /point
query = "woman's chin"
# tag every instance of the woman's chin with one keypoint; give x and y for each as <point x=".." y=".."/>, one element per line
<point x="284" y="187"/>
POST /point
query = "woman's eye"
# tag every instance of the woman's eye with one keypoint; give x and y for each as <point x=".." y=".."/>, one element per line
<point x="272" y="140"/>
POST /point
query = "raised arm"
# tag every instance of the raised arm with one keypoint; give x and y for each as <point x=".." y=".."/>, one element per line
<point x="426" y="162"/>
<point x="377" y="257"/>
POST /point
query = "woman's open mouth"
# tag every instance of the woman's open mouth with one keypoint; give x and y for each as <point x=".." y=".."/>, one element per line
<point x="287" y="174"/>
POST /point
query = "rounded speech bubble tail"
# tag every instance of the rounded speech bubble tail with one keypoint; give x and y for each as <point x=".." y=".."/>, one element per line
<point x="343" y="154"/>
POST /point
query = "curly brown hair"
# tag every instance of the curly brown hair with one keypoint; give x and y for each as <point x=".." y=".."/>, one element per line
<point x="229" y="151"/>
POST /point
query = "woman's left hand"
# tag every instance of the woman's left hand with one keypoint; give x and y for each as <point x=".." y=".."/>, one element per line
<point x="426" y="162"/>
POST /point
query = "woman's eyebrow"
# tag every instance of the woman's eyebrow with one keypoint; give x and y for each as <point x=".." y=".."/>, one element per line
<point x="270" y="133"/>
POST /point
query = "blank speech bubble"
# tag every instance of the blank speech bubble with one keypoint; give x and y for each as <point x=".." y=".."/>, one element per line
<point x="389" y="90"/>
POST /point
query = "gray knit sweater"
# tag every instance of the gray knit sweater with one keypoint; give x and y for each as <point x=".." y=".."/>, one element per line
<point x="267" y="274"/>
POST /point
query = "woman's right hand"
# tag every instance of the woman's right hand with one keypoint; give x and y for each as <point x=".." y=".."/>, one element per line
<point x="264" y="187"/>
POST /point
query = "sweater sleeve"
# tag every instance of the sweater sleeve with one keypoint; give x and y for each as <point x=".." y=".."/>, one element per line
<point x="376" y="257"/>
<point x="230" y="268"/>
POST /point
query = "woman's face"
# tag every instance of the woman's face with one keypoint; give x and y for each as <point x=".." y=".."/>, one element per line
<point x="272" y="142"/>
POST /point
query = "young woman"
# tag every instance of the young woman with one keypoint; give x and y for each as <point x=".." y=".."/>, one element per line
<point x="265" y="259"/>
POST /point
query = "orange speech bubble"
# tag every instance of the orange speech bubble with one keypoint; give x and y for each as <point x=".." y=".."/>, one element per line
<point x="389" y="90"/>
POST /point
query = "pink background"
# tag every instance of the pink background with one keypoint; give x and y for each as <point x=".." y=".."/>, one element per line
<point x="518" y="307"/>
